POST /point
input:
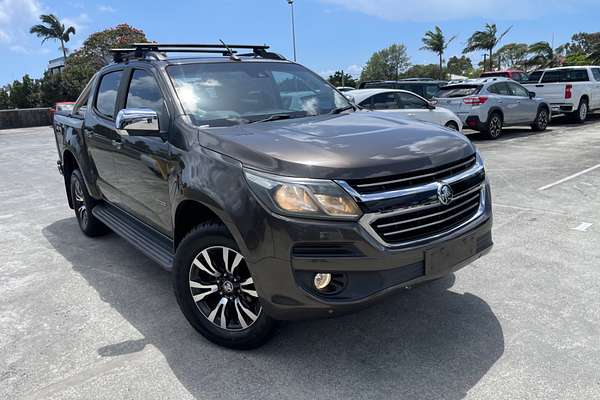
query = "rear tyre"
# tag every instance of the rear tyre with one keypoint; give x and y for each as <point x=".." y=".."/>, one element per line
<point x="83" y="204"/>
<point x="215" y="290"/>
<point x="493" y="127"/>
<point x="541" y="120"/>
<point x="452" y="125"/>
<point x="581" y="114"/>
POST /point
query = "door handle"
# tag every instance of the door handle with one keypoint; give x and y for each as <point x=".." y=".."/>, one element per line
<point x="411" y="115"/>
<point x="88" y="133"/>
<point x="539" y="85"/>
<point x="116" y="144"/>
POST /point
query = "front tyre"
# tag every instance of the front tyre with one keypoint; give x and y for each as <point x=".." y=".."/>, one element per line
<point x="541" y="120"/>
<point x="216" y="292"/>
<point x="452" y="125"/>
<point x="83" y="204"/>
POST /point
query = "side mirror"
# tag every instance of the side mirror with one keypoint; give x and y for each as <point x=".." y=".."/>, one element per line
<point x="531" y="95"/>
<point x="142" y="120"/>
<point x="431" y="104"/>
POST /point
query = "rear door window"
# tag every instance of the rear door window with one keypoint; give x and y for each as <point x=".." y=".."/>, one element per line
<point x="500" y="88"/>
<point x="535" y="76"/>
<point x="106" y="98"/>
<point x="385" y="101"/>
<point x="458" y="91"/>
<point x="596" y="72"/>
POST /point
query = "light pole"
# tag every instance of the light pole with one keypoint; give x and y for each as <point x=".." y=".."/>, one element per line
<point x="291" y="3"/>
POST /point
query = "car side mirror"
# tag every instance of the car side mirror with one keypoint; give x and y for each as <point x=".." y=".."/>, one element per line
<point x="531" y="95"/>
<point x="431" y="105"/>
<point x="140" y="121"/>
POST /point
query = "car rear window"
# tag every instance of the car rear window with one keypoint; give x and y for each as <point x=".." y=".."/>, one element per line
<point x="459" y="91"/>
<point x="379" y="85"/>
<point x="566" y="75"/>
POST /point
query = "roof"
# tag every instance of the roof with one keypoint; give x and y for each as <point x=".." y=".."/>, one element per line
<point x="572" y="67"/>
<point x="480" y="81"/>
<point x="362" y="94"/>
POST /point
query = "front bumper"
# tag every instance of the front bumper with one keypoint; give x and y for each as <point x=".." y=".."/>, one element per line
<point x="369" y="269"/>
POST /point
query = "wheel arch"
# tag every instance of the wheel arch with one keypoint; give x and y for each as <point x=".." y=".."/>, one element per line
<point x="190" y="213"/>
<point x="495" y="110"/>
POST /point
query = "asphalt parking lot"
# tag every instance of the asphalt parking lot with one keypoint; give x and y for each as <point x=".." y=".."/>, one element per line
<point x="88" y="318"/>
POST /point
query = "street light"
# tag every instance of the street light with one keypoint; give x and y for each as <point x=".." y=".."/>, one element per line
<point x="291" y="3"/>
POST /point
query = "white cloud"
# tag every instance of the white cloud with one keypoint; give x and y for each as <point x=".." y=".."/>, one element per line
<point x="16" y="17"/>
<point x="440" y="10"/>
<point x="79" y="22"/>
<point x="106" y="8"/>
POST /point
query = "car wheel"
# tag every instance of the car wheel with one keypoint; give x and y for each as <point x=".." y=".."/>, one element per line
<point x="581" y="114"/>
<point x="493" y="128"/>
<point x="452" y="125"/>
<point x="83" y="204"/>
<point x="216" y="292"/>
<point x="541" y="120"/>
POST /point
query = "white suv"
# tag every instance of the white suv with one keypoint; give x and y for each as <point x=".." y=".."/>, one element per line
<point x="569" y="90"/>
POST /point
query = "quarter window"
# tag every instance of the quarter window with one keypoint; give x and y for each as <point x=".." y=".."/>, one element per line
<point x="145" y="93"/>
<point x="107" y="93"/>
<point x="596" y="72"/>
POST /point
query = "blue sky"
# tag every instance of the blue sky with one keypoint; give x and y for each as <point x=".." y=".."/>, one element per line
<point x="331" y="34"/>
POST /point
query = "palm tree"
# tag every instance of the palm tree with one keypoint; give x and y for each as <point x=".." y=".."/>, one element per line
<point x="543" y="55"/>
<point x="435" y="41"/>
<point x="485" y="40"/>
<point x="52" y="28"/>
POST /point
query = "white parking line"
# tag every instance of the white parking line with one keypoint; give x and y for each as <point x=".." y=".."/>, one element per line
<point x="568" y="178"/>
<point x="583" y="227"/>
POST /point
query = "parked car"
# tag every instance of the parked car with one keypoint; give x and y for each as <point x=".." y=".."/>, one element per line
<point x="574" y="91"/>
<point x="426" y="88"/>
<point x="488" y="104"/>
<point x="405" y="104"/>
<point x="264" y="190"/>
<point x="345" y="88"/>
<point x="61" y="107"/>
<point x="514" y="74"/>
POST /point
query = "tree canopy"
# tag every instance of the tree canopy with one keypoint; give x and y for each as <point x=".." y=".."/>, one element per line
<point x="386" y="64"/>
<point x="340" y="78"/>
<point x="52" y="29"/>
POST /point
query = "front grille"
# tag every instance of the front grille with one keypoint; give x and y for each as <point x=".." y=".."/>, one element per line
<point x="403" y="181"/>
<point x="429" y="221"/>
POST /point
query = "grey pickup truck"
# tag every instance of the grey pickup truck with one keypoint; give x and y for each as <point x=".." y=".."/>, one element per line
<point x="263" y="189"/>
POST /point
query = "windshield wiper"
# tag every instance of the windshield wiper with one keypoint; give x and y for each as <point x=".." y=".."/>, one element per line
<point x="341" y="109"/>
<point x="274" y="117"/>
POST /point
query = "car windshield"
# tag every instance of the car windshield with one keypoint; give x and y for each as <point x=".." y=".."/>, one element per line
<point x="225" y="94"/>
<point x="459" y="91"/>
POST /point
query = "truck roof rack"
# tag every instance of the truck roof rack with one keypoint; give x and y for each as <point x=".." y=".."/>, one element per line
<point x="157" y="51"/>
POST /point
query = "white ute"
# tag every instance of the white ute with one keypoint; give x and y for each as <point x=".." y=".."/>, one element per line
<point x="574" y="91"/>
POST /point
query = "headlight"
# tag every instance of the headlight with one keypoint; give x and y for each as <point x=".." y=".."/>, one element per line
<point x="302" y="197"/>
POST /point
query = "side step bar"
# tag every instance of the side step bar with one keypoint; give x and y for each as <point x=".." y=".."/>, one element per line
<point x="150" y="242"/>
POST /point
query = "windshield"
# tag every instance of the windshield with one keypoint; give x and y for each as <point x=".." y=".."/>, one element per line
<point x="459" y="91"/>
<point x="224" y="94"/>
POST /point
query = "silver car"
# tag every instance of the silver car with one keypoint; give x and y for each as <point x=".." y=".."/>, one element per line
<point x="488" y="104"/>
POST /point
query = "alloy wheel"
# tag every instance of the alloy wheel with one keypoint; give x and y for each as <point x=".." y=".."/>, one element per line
<point x="495" y="127"/>
<point x="223" y="290"/>
<point x="583" y="110"/>
<point x="79" y="203"/>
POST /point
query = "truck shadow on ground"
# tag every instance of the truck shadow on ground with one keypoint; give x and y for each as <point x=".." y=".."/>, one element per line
<point x="427" y="342"/>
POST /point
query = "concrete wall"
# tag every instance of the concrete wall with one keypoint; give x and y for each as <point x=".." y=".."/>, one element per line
<point x="23" y="118"/>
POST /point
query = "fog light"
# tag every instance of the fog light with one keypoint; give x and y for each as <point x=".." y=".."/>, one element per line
<point x="322" y="280"/>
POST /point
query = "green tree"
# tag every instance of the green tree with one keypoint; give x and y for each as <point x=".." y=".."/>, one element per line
<point x="423" y="71"/>
<point x="542" y="55"/>
<point x="24" y="93"/>
<point x="52" y="28"/>
<point x="340" y="78"/>
<point x="82" y="64"/>
<point x="386" y="64"/>
<point x="436" y="42"/>
<point x="486" y="40"/>
<point x="5" y="102"/>
<point x="459" y="66"/>
<point x="512" y="55"/>
<point x="576" y="59"/>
